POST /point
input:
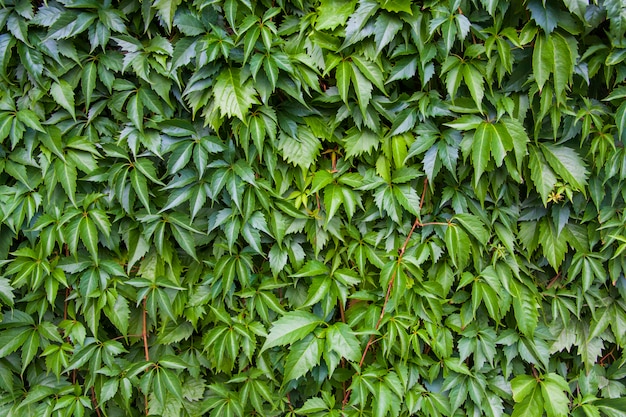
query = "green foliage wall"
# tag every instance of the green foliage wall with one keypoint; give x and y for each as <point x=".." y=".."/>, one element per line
<point x="320" y="208"/>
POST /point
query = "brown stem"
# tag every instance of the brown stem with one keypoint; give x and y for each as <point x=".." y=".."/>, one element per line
<point x="94" y="401"/>
<point x="144" y="330"/>
<point x="370" y="342"/>
<point x="554" y="280"/>
<point x="144" y="334"/>
<point x="342" y="312"/>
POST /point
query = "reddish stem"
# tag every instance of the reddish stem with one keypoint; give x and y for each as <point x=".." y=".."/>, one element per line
<point x="416" y="224"/>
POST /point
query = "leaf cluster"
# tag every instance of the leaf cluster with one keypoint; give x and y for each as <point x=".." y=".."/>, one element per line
<point x="312" y="207"/>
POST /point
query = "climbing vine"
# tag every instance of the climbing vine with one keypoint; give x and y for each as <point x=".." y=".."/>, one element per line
<point x="312" y="207"/>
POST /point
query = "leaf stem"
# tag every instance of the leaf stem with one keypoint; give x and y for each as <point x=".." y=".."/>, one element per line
<point x="417" y="223"/>
<point x="144" y="334"/>
<point x="94" y="401"/>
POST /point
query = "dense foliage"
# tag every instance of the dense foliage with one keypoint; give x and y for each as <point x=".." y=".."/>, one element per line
<point x="313" y="207"/>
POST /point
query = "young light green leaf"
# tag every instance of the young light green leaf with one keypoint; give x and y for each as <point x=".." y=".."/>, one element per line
<point x="234" y="93"/>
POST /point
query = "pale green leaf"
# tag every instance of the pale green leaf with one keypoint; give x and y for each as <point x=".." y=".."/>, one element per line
<point x="234" y="93"/>
<point x="554" y="389"/>
<point x="333" y="13"/>
<point x="396" y="6"/>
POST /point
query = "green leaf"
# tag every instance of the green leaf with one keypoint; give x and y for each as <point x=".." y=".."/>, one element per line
<point x="544" y="14"/>
<point x="66" y="175"/>
<point x="344" y="74"/>
<point x="530" y="406"/>
<point x="303" y="356"/>
<point x="396" y="6"/>
<point x="234" y="93"/>
<point x="88" y="81"/>
<point x="525" y="308"/>
<point x="370" y="70"/>
<point x="63" y="94"/>
<point x="612" y="407"/>
<point x="118" y="312"/>
<point x="554" y="389"/>
<point x="363" y="89"/>
<point x="567" y="163"/>
<point x="6" y="292"/>
<point x="475" y="83"/>
<point x="312" y="405"/>
<point x="301" y="150"/>
<point x="543" y="60"/>
<point x="620" y="121"/>
<point x="474" y="226"/>
<point x="554" y="245"/>
<point x="577" y="7"/>
<point x="89" y="236"/>
<point x="166" y="10"/>
<point x="457" y="243"/>
<point x="293" y="326"/>
<point x="385" y="29"/>
<point x="12" y="339"/>
<point x="333" y="13"/>
<point x="333" y="198"/>
<point x="481" y="148"/>
<point x="541" y="174"/>
<point x="342" y="340"/>
<point x="564" y="61"/>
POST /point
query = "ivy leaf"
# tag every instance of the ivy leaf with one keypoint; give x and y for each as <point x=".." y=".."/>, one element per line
<point x="481" y="148"/>
<point x="620" y="121"/>
<point x="166" y="10"/>
<point x="66" y="174"/>
<point x="303" y="356"/>
<point x="475" y="83"/>
<point x="554" y="246"/>
<point x="234" y="93"/>
<point x="301" y="150"/>
<point x="566" y="163"/>
<point x="544" y="14"/>
<point x="333" y="13"/>
<point x="612" y="407"/>
<point x="6" y="292"/>
<point x="293" y="326"/>
<point x="543" y="60"/>
<point x="385" y="29"/>
<point x="342" y="340"/>
<point x="118" y="312"/>
<point x="524" y="307"/>
<point x="541" y="174"/>
<point x="530" y="406"/>
<point x="63" y="94"/>
<point x="474" y="226"/>
<point x="554" y="389"/>
<point x="396" y="6"/>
